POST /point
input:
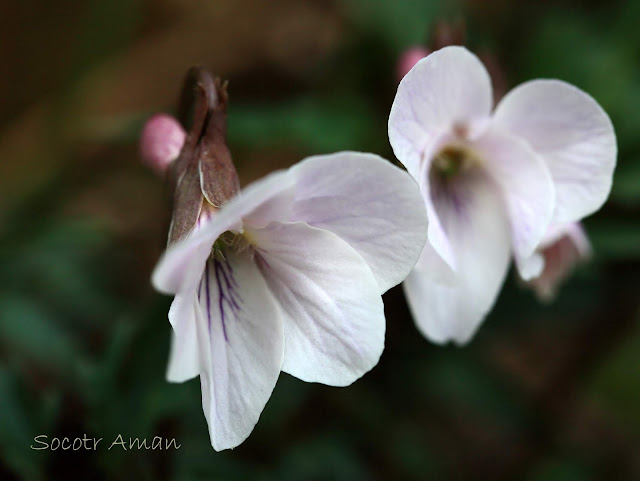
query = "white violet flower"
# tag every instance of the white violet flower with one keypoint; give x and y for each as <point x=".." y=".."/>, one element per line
<point x="492" y="182"/>
<point x="286" y="275"/>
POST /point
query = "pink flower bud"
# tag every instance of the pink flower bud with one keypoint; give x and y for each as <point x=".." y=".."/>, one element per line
<point x="409" y="58"/>
<point x="161" y="141"/>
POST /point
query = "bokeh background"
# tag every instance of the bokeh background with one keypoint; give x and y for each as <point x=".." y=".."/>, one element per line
<point x="544" y="392"/>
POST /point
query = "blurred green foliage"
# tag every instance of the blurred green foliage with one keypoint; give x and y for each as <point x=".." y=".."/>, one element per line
<point x="545" y="392"/>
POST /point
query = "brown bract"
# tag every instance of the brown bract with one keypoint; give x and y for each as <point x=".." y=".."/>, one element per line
<point x="203" y="176"/>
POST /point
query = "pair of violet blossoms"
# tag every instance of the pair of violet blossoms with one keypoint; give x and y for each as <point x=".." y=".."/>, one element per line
<point x="287" y="274"/>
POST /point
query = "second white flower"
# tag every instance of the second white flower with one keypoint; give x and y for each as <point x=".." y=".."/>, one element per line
<point x="492" y="183"/>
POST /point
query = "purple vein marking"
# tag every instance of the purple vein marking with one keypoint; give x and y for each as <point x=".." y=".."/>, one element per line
<point x="226" y="292"/>
<point x="262" y="261"/>
<point x="206" y="276"/>
<point x="221" y="298"/>
<point x="231" y="285"/>
<point x="231" y="276"/>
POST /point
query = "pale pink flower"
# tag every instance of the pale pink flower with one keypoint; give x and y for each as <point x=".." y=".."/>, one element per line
<point x="492" y="181"/>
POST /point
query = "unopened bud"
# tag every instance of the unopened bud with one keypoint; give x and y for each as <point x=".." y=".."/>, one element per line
<point x="161" y="141"/>
<point x="409" y="58"/>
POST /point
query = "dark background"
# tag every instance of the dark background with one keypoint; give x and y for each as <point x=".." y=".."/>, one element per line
<point x="544" y="392"/>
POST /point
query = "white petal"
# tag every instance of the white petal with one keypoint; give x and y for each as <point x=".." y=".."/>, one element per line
<point x="476" y="225"/>
<point x="277" y="208"/>
<point x="525" y="185"/>
<point x="241" y="345"/>
<point x="181" y="266"/>
<point x="449" y="86"/>
<point x="334" y="316"/>
<point x="184" y="354"/>
<point x="368" y="202"/>
<point x="433" y="264"/>
<point x="530" y="267"/>
<point x="573" y="134"/>
<point x="438" y="252"/>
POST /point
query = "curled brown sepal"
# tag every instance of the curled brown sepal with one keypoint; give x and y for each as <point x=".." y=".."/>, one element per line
<point x="203" y="176"/>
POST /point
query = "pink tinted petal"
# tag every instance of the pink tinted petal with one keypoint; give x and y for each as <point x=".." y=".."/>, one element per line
<point x="161" y="141"/>
<point x="525" y="186"/>
<point x="368" y="202"/>
<point x="449" y="86"/>
<point x="241" y="347"/>
<point x="564" y="247"/>
<point x="333" y="314"/>
<point x="574" y="231"/>
<point x="477" y="227"/>
<point x="573" y="134"/>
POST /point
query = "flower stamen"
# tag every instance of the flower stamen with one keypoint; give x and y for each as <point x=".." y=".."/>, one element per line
<point x="231" y="241"/>
<point x="451" y="161"/>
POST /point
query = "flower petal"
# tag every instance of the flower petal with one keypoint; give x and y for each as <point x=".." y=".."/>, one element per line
<point x="476" y="225"/>
<point x="563" y="248"/>
<point x="333" y="314"/>
<point x="574" y="231"/>
<point x="573" y="134"/>
<point x="432" y="263"/>
<point x="241" y="345"/>
<point x="181" y="266"/>
<point x="530" y="267"/>
<point x="368" y="202"/>
<point x="447" y="87"/>
<point x="525" y="185"/>
<point x="438" y="252"/>
<point x="184" y="354"/>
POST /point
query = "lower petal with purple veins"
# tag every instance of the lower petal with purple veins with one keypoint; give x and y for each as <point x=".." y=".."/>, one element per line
<point x="240" y="331"/>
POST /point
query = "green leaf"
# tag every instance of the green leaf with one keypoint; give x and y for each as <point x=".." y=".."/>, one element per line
<point x="561" y="470"/>
<point x="615" y="239"/>
<point x="400" y="23"/>
<point x="28" y="331"/>
<point x="616" y="384"/>
<point x="318" y="125"/>
<point x="17" y="431"/>
<point x="626" y="182"/>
